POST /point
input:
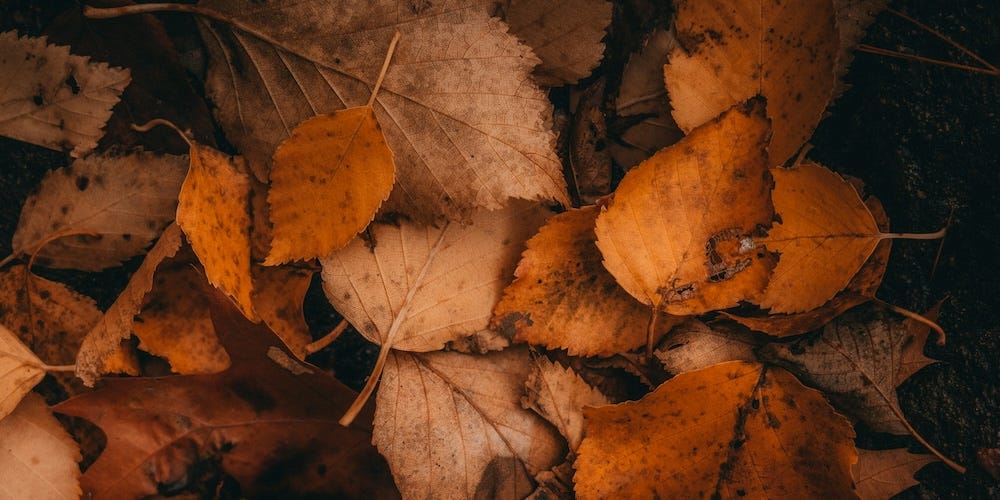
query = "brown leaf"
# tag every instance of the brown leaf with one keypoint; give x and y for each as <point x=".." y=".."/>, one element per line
<point x="341" y="164"/>
<point x="729" y="52"/>
<point x="38" y="459"/>
<point x="53" y="99"/>
<point x="853" y="18"/>
<point x="563" y="298"/>
<point x="589" y="159"/>
<point x="278" y="298"/>
<point x="20" y="371"/>
<point x="213" y="211"/>
<point x="554" y="484"/>
<point x="885" y="473"/>
<point x="733" y="429"/>
<point x="693" y="345"/>
<point x="109" y="208"/>
<point x="451" y="425"/>
<point x="255" y="416"/>
<point x="675" y="234"/>
<point x="558" y="394"/>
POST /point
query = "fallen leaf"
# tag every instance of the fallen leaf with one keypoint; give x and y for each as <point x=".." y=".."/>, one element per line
<point x="212" y="210"/>
<point x="825" y="235"/>
<point x="558" y="394"/>
<point x="563" y="298"/>
<point x="106" y="208"/>
<point x="116" y="323"/>
<point x="253" y="417"/>
<point x="451" y="425"/>
<point x="53" y="99"/>
<point x="733" y="429"/>
<point x="20" y="371"/>
<point x="853" y="18"/>
<point x="675" y="234"/>
<point x="590" y="162"/>
<point x="278" y="298"/>
<point x="693" y="345"/>
<point x="886" y="473"/>
<point x="554" y="484"/>
<point x="565" y="34"/>
<point x="38" y="459"/>
<point x="730" y="52"/>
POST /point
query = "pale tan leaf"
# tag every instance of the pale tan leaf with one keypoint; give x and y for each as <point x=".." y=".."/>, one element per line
<point x="678" y="233"/>
<point x="53" y="99"/>
<point x="693" y="345"/>
<point x="451" y="425"/>
<point x="882" y="474"/>
<point x="731" y="51"/>
<point x="559" y="394"/>
<point x="426" y="286"/>
<point x="110" y="207"/>
<point x="116" y="324"/>
<point x="38" y="459"/>
<point x="20" y="371"/>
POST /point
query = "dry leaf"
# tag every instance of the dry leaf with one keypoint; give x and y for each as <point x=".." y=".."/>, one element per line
<point x="38" y="459"/>
<point x="424" y="286"/>
<point x="693" y="345"/>
<point x="20" y="371"/>
<point x="884" y="473"/>
<point x="731" y="51"/>
<point x="558" y="394"/>
<point x="108" y="208"/>
<point x="116" y="324"/>
<point x="451" y="425"/>
<point x="675" y="235"/>
<point x="213" y="211"/>
<point x="853" y="18"/>
<point x="589" y="160"/>
<point x="565" y="34"/>
<point x="825" y="235"/>
<point x="554" y="484"/>
<point x="328" y="180"/>
<point x="731" y="430"/>
<point x="54" y="99"/>
<point x="278" y="298"/>
<point x="254" y="417"/>
<point x="563" y="298"/>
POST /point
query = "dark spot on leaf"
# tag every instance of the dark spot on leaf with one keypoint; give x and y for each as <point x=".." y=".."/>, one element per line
<point x="259" y="400"/>
<point x="82" y="182"/>
<point x="72" y="84"/>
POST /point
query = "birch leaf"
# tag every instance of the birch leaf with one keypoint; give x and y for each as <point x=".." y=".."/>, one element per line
<point x="885" y="473"/>
<point x="559" y="394"/>
<point x="731" y="51"/>
<point x="451" y="425"/>
<point x="53" y="99"/>
<point x="110" y="207"/>
<point x="20" y="371"/>
<point x="38" y="459"/>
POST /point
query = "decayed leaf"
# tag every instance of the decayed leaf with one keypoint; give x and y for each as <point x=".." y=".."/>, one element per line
<point x="20" y="371"/>
<point x="693" y="345"/>
<point x="731" y="51"/>
<point x="884" y="473"/>
<point x="426" y="286"/>
<point x="38" y="459"/>
<point x="254" y="417"/>
<point x="825" y="235"/>
<point x="563" y="298"/>
<point x="54" y="99"/>
<point x="554" y="484"/>
<point x="110" y="207"/>
<point x="116" y="324"/>
<point x="278" y="298"/>
<point x="565" y="34"/>
<point x="213" y="211"/>
<point x="451" y="425"/>
<point x="558" y="394"/>
<point x="676" y="234"/>
<point x="731" y="430"/>
<point x="853" y="18"/>
<point x="589" y="159"/>
<point x="467" y="127"/>
<point x="341" y="164"/>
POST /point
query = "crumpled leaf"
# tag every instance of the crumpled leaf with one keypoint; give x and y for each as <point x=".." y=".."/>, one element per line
<point x="563" y="298"/>
<point x="253" y="417"/>
<point x="342" y="165"/>
<point x="38" y="459"/>
<point x="884" y="473"/>
<point x="20" y="371"/>
<point x="451" y="425"/>
<point x="731" y="430"/>
<point x="116" y="324"/>
<point x="825" y="235"/>
<point x="675" y="235"/>
<point x="53" y="99"/>
<point x="212" y="210"/>
<point x="467" y="127"/>
<point x="426" y="286"/>
<point x="731" y="51"/>
<point x="558" y="394"/>
<point x="693" y="345"/>
<point x="110" y="207"/>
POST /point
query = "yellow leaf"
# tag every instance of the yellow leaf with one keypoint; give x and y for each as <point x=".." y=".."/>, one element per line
<point x="328" y="180"/>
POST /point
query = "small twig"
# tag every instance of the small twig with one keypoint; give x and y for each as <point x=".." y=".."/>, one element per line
<point x="321" y="343"/>
<point x="947" y="40"/>
<point x="937" y="256"/>
<point x="385" y="67"/>
<point x="912" y="57"/>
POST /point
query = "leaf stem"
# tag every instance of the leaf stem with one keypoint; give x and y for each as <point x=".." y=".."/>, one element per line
<point x="916" y="435"/>
<point x="151" y="124"/>
<point x="59" y="368"/>
<point x="8" y="259"/>
<point x="918" y="318"/>
<point x="327" y="339"/>
<point x="915" y="236"/>
<point x="385" y="67"/>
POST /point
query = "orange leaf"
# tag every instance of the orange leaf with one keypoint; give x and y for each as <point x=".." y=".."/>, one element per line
<point x="328" y="180"/>
<point x="676" y="234"/>
<point x="733" y="429"/>
<point x="278" y="299"/>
